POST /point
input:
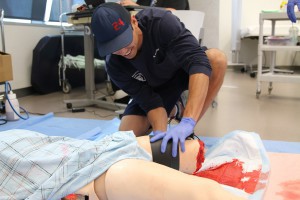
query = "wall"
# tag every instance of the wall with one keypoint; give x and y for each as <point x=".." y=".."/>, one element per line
<point x="20" y="41"/>
<point x="211" y="9"/>
<point x="217" y="26"/>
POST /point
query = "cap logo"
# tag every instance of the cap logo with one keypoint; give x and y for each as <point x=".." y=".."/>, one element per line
<point x="117" y="25"/>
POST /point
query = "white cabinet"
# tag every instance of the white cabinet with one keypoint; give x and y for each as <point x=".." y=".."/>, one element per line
<point x="273" y="75"/>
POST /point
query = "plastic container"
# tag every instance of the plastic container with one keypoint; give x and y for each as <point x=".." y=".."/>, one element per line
<point x="293" y="32"/>
<point x="9" y="111"/>
<point x="278" y="40"/>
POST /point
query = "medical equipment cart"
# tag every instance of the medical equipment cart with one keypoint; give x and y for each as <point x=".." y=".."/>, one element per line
<point x="92" y="99"/>
<point x="272" y="76"/>
<point x="62" y="66"/>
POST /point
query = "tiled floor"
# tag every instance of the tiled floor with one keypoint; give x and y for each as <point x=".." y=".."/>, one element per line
<point x="274" y="117"/>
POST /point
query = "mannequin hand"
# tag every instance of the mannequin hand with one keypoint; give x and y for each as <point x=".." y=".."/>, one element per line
<point x="290" y="9"/>
<point x="178" y="133"/>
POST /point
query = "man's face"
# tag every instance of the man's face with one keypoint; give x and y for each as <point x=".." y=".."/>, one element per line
<point x="131" y="50"/>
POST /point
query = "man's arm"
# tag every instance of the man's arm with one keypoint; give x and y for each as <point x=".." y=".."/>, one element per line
<point x="128" y="3"/>
<point x="198" y="87"/>
<point x="158" y="119"/>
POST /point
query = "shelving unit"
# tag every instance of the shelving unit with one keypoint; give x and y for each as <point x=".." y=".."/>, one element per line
<point x="273" y="76"/>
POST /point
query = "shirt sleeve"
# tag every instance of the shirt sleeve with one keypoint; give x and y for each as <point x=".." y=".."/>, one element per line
<point x="183" y="46"/>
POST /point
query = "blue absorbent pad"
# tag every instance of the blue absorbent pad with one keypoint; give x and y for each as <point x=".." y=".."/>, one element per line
<point x="60" y="126"/>
<point x="93" y="129"/>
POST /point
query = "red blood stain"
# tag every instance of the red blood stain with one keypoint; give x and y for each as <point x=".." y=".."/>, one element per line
<point x="200" y="156"/>
<point x="71" y="197"/>
<point x="290" y="190"/>
<point x="232" y="174"/>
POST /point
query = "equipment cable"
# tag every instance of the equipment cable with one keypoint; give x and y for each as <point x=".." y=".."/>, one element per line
<point x="7" y="84"/>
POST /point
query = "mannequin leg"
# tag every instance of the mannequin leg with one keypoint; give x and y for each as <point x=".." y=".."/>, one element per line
<point x="188" y="164"/>
<point x="144" y="180"/>
<point x="89" y="191"/>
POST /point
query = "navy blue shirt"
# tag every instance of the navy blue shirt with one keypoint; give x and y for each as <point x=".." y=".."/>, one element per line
<point x="167" y="47"/>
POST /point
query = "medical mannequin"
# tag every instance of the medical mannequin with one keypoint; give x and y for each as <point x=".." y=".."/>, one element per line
<point x="52" y="167"/>
<point x="138" y="179"/>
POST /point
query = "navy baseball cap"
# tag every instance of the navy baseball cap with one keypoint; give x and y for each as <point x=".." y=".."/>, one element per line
<point x="111" y="27"/>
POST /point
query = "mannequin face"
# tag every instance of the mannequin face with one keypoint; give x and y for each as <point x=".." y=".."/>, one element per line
<point x="132" y="49"/>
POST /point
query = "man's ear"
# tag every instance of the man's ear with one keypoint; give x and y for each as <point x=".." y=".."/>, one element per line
<point x="133" y="20"/>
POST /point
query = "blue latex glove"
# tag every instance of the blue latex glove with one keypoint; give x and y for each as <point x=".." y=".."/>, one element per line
<point x="290" y="9"/>
<point x="178" y="133"/>
<point x="157" y="132"/>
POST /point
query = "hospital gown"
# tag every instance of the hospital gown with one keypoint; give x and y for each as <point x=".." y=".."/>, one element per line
<point x="36" y="166"/>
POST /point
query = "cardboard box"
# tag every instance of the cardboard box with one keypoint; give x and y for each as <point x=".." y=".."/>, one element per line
<point x="6" y="73"/>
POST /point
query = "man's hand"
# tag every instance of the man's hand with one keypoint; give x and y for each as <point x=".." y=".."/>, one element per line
<point x="128" y="3"/>
<point x="178" y="133"/>
<point x="290" y="9"/>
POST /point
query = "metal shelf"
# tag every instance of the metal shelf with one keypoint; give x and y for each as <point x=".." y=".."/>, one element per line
<point x="272" y="76"/>
<point x="277" y="16"/>
<point x="279" y="48"/>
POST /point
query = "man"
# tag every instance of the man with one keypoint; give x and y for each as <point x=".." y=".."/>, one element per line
<point x="153" y="58"/>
